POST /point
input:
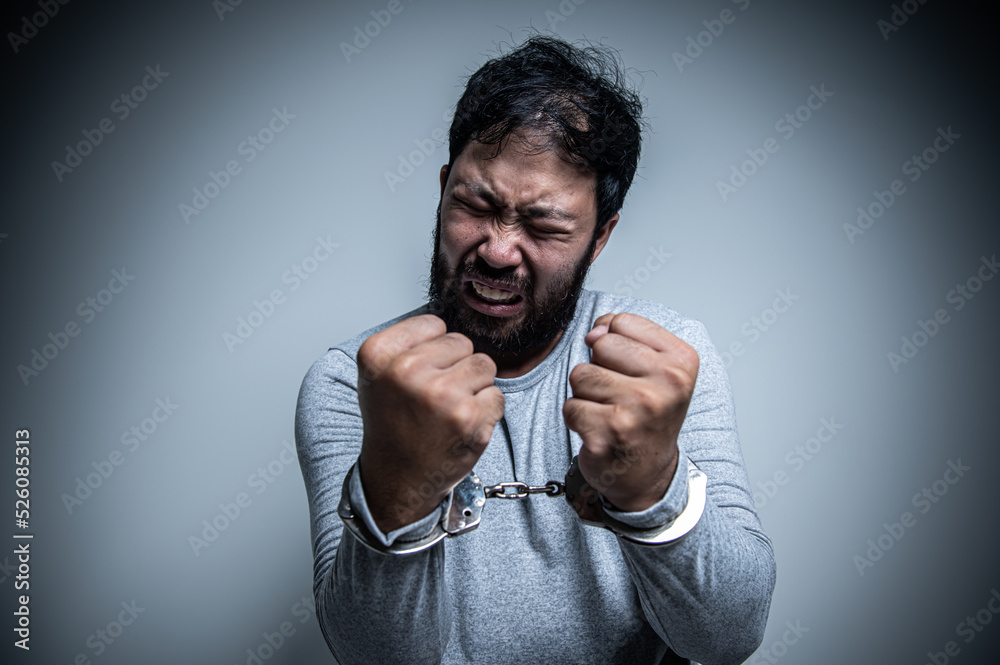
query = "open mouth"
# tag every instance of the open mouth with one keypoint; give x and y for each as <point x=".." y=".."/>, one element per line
<point x="492" y="301"/>
<point x="491" y="295"/>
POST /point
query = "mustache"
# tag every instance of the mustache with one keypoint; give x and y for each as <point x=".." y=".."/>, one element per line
<point x="502" y="276"/>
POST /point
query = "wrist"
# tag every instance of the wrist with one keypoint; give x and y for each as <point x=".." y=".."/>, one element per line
<point x="636" y="491"/>
<point x="393" y="501"/>
<point x="673" y="517"/>
<point x="459" y="513"/>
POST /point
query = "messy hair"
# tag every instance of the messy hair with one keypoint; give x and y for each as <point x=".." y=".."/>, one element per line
<point x="578" y="98"/>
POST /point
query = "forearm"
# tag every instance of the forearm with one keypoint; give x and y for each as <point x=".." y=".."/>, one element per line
<point x="707" y="595"/>
<point x="372" y="607"/>
<point x="376" y="607"/>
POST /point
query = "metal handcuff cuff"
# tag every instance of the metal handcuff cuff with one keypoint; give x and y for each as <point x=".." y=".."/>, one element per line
<point x="468" y="498"/>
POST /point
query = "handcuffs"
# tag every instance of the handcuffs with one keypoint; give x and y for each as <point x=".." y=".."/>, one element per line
<point x="468" y="498"/>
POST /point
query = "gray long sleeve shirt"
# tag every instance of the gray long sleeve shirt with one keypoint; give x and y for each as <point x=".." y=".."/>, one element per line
<point x="532" y="583"/>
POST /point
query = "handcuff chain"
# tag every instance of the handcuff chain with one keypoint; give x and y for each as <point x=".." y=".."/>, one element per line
<point x="519" y="490"/>
<point x="465" y="511"/>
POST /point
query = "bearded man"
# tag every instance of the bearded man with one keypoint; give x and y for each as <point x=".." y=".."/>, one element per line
<point x="583" y="409"/>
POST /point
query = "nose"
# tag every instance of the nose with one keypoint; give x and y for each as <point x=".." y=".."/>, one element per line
<point x="500" y="248"/>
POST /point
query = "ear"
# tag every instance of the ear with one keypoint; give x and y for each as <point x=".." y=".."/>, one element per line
<point x="444" y="177"/>
<point x="602" y="237"/>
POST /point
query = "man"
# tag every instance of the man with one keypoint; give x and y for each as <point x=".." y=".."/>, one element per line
<point x="509" y="372"/>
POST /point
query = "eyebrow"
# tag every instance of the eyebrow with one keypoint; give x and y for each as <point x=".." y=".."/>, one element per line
<point x="533" y="211"/>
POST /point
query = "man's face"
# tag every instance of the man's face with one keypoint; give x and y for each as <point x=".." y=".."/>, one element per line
<point x="514" y="239"/>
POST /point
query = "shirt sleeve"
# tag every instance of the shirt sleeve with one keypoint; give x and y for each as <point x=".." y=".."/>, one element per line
<point x="371" y="606"/>
<point x="708" y="595"/>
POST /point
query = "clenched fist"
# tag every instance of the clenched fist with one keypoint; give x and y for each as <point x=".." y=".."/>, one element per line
<point x="628" y="405"/>
<point x="429" y="407"/>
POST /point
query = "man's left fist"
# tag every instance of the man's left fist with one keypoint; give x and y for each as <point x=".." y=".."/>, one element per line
<point x="628" y="405"/>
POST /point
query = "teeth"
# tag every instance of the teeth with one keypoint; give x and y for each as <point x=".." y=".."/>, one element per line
<point x="496" y="295"/>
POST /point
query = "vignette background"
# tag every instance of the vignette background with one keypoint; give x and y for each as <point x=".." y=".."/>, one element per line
<point x="322" y="181"/>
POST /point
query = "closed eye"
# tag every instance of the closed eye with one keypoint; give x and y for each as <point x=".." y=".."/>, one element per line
<point x="474" y="209"/>
<point x="547" y="230"/>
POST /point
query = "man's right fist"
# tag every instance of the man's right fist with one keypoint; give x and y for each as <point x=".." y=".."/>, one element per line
<point x="429" y="407"/>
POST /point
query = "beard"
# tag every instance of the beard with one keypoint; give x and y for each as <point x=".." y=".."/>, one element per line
<point x="542" y="318"/>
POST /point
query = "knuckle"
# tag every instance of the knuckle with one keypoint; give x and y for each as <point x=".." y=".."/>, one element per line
<point x="622" y="422"/>
<point x="587" y="374"/>
<point x="432" y="323"/>
<point x="622" y="321"/>
<point x="403" y="366"/>
<point x="680" y="379"/>
<point x="649" y="396"/>
<point x="368" y="351"/>
<point x="627" y="317"/>
<point x="481" y="437"/>
<point x="436" y="394"/>
<point x="694" y="362"/>
<point x="483" y="364"/>
<point x="462" y="417"/>
<point x="679" y="370"/>
<point x="463" y="343"/>
<point x="377" y="353"/>
<point x="688" y="357"/>
<point x="599" y="379"/>
<point x="601" y="345"/>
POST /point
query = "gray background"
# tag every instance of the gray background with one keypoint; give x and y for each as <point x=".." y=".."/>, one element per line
<point x="324" y="176"/>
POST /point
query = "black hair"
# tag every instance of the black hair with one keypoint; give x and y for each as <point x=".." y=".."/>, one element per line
<point x="579" y="98"/>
